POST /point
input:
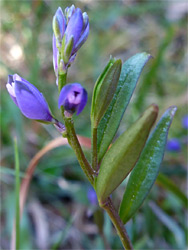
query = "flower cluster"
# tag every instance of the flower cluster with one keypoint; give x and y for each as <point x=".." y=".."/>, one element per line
<point x="70" y="32"/>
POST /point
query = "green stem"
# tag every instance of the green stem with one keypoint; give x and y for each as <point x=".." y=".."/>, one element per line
<point x="94" y="149"/>
<point x="72" y="138"/>
<point x="114" y="216"/>
<point x="17" y="184"/>
<point x="89" y="171"/>
<point x="74" y="143"/>
<point x="62" y="79"/>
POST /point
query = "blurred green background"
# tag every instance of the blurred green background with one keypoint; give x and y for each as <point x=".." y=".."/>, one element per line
<point x="58" y="213"/>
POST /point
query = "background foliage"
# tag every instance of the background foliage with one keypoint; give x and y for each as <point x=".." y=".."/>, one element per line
<point x="58" y="213"/>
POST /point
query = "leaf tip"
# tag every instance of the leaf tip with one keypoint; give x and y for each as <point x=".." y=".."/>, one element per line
<point x="173" y="110"/>
<point x="155" y="107"/>
<point x="119" y="61"/>
<point x="153" y="110"/>
<point x="118" y="64"/>
<point x="149" y="56"/>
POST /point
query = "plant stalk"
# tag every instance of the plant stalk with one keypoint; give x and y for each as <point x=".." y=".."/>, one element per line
<point x="94" y="149"/>
<point x="72" y="138"/>
<point x="89" y="171"/>
<point x="62" y="79"/>
<point x="74" y="143"/>
<point x="17" y="187"/>
<point x="114" y="216"/>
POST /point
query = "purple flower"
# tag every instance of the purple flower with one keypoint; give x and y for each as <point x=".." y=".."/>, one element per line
<point x="173" y="145"/>
<point x="73" y="97"/>
<point x="185" y="122"/>
<point x="55" y="55"/>
<point x="92" y="197"/>
<point x="70" y="33"/>
<point x="28" y="99"/>
<point x="59" y="24"/>
<point x="69" y="11"/>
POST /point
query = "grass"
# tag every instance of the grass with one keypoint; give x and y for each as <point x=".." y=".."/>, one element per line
<point x="17" y="193"/>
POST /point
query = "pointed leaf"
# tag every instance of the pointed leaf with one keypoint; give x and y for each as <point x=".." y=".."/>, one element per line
<point x="146" y="170"/>
<point x="104" y="90"/>
<point x="124" y="153"/>
<point x="98" y="84"/>
<point x="109" y="124"/>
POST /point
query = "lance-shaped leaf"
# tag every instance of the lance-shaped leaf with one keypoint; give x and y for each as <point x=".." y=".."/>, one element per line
<point x="104" y="90"/>
<point x="146" y="170"/>
<point x="109" y="124"/>
<point x="124" y="153"/>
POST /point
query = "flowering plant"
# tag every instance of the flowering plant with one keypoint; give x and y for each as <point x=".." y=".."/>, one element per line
<point x="136" y="152"/>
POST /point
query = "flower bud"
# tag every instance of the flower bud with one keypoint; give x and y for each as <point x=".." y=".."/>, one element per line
<point x="73" y="97"/>
<point x="59" y="25"/>
<point x="78" y="27"/>
<point x="74" y="26"/>
<point x="85" y="33"/>
<point x="69" y="11"/>
<point x="86" y="19"/>
<point x="28" y="99"/>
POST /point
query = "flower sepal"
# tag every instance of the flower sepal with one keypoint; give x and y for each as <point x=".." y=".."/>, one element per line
<point x="59" y="25"/>
<point x="66" y="52"/>
<point x="70" y="33"/>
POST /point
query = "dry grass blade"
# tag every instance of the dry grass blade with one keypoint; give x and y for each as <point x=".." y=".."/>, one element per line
<point x="34" y="161"/>
<point x="60" y="141"/>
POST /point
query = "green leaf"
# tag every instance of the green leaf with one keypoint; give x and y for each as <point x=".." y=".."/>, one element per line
<point x="109" y="124"/>
<point x="124" y="153"/>
<point x="104" y="90"/>
<point x="168" y="184"/>
<point x="146" y="170"/>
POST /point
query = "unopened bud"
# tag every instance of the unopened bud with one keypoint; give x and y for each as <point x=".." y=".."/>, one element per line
<point x="29" y="99"/>
<point x="59" y="25"/>
<point x="73" y="97"/>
